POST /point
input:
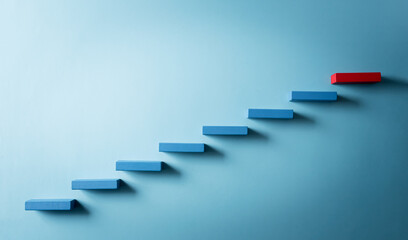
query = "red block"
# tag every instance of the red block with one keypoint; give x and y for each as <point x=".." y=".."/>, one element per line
<point x="366" y="77"/>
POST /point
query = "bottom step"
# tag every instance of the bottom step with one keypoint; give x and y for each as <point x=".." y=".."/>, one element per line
<point x="50" y="204"/>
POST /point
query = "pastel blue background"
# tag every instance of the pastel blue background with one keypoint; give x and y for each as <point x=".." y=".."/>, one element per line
<point x="86" y="83"/>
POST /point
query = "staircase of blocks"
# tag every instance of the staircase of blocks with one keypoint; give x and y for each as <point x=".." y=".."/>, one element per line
<point x="156" y="166"/>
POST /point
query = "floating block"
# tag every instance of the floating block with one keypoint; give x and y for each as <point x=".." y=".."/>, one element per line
<point x="50" y="204"/>
<point x="152" y="166"/>
<point x="270" y="113"/>
<point x="181" y="147"/>
<point x="225" y="130"/>
<point x="366" y="77"/>
<point x="311" y="96"/>
<point x="90" y="184"/>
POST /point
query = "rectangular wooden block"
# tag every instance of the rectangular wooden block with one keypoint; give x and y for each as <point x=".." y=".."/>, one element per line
<point x="313" y="96"/>
<point x="270" y="113"/>
<point x="124" y="165"/>
<point x="365" y="77"/>
<point x="225" y="130"/>
<point x="181" y="147"/>
<point x="50" y="204"/>
<point x="92" y="184"/>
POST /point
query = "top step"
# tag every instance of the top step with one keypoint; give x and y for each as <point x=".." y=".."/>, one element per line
<point x="365" y="77"/>
<point x="312" y="96"/>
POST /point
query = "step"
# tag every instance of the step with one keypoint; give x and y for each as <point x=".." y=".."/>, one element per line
<point x="94" y="184"/>
<point x="362" y="77"/>
<point x="313" y="96"/>
<point x="181" y="147"/>
<point x="270" y="113"/>
<point x="50" y="204"/>
<point x="225" y="130"/>
<point x="149" y="166"/>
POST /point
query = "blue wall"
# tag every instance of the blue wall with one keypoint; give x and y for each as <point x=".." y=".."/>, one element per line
<point x="85" y="83"/>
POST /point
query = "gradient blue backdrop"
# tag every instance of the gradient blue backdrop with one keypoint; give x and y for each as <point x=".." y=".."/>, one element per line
<point x="85" y="83"/>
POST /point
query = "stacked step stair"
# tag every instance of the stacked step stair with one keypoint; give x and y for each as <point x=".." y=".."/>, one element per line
<point x="156" y="166"/>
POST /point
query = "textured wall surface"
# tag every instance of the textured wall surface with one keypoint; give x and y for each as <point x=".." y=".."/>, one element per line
<point x="85" y="83"/>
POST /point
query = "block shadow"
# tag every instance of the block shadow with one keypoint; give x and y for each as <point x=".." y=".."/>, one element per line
<point x="315" y="103"/>
<point x="167" y="171"/>
<point x="302" y="118"/>
<point x="395" y="83"/>
<point x="252" y="135"/>
<point x="210" y="153"/>
<point x="78" y="210"/>
<point x="257" y="136"/>
<point x="298" y="118"/>
<point x="342" y="102"/>
<point x="387" y="83"/>
<point x="347" y="101"/>
<point x="272" y="120"/>
<point x="124" y="189"/>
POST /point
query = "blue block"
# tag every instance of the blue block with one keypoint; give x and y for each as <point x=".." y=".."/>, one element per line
<point x="270" y="113"/>
<point x="50" y="204"/>
<point x="225" y="130"/>
<point x="181" y="147"/>
<point x="90" y="184"/>
<point x="123" y="165"/>
<point x="299" y="96"/>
